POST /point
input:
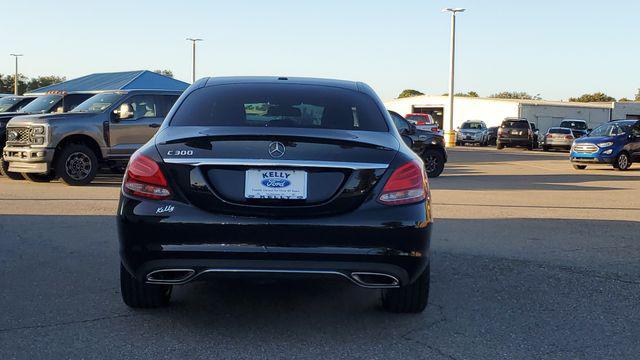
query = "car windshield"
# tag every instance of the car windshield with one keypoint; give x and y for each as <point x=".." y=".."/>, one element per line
<point x="611" y="129"/>
<point x="515" y="124"/>
<point x="8" y="102"/>
<point x="97" y="103"/>
<point x="268" y="105"/>
<point x="472" y="125"/>
<point x="42" y="104"/>
<point x="559" y="131"/>
<point x="577" y="125"/>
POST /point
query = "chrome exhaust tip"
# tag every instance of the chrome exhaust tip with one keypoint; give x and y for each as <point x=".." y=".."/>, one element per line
<point x="375" y="280"/>
<point x="170" y="276"/>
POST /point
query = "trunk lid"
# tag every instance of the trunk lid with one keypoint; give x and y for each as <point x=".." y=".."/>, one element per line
<point x="229" y="169"/>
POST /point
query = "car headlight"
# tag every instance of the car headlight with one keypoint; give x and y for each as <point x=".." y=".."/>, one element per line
<point x="38" y="130"/>
<point x="605" y="144"/>
<point x="38" y="135"/>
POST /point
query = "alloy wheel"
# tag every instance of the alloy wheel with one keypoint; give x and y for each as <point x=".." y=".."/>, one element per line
<point x="78" y="165"/>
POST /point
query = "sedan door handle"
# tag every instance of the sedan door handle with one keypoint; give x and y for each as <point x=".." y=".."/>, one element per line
<point x="154" y="125"/>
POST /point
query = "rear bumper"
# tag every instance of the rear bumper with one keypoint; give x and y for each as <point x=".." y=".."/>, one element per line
<point x="514" y="141"/>
<point x="556" y="143"/>
<point x="394" y="243"/>
<point x="28" y="160"/>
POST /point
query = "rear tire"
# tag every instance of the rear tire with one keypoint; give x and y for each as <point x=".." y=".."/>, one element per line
<point x="412" y="298"/>
<point x="77" y="165"/>
<point x="623" y="162"/>
<point x="137" y="294"/>
<point x="433" y="162"/>
<point x="499" y="146"/>
<point x="579" y="167"/>
<point x="4" y="170"/>
<point x="40" y="178"/>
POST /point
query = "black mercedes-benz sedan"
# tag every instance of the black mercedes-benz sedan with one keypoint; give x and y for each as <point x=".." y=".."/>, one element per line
<point x="277" y="177"/>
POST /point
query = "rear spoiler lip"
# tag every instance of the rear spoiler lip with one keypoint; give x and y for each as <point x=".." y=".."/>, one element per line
<point x="275" y="163"/>
<point x="177" y="134"/>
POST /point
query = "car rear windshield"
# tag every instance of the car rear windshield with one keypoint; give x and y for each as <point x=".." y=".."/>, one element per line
<point x="578" y="125"/>
<point x="515" y="124"/>
<point x="290" y="105"/>
<point x="422" y="118"/>
<point x="559" y="131"/>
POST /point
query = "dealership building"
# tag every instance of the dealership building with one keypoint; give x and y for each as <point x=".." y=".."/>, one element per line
<point x="544" y="114"/>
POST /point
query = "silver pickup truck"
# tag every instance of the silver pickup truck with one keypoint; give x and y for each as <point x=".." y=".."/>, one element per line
<point x="103" y="131"/>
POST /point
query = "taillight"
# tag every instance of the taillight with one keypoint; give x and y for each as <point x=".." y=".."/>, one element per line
<point x="569" y="137"/>
<point x="434" y="129"/>
<point x="549" y="136"/>
<point x="145" y="179"/>
<point x="406" y="185"/>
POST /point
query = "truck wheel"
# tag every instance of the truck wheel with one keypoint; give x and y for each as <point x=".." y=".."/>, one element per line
<point x="433" y="162"/>
<point x="623" y="162"/>
<point x="579" y="167"/>
<point x="137" y="294"/>
<point x="76" y="164"/>
<point x="412" y="298"/>
<point x="4" y="170"/>
<point x="39" y="177"/>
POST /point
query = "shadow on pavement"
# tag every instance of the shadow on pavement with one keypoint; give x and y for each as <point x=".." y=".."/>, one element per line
<point x="561" y="182"/>
<point x="61" y="299"/>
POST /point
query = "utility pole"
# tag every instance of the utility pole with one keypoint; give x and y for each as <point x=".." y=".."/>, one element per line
<point x="193" y="58"/>
<point x="450" y="134"/>
<point x="15" y="79"/>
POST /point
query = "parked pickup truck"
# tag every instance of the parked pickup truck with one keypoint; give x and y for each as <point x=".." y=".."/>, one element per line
<point x="102" y="131"/>
<point x="51" y="102"/>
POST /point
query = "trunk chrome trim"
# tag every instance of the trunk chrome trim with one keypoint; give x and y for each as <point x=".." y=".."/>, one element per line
<point x="276" y="163"/>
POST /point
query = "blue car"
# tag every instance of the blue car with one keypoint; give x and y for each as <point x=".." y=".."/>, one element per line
<point x="616" y="142"/>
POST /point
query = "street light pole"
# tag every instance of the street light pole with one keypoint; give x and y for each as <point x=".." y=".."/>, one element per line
<point x="193" y="58"/>
<point x="15" y="79"/>
<point x="450" y="134"/>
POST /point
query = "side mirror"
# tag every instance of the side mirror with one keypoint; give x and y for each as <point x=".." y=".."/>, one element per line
<point x="123" y="112"/>
<point x="407" y="140"/>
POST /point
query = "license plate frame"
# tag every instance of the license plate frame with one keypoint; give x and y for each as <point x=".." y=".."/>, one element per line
<point x="276" y="184"/>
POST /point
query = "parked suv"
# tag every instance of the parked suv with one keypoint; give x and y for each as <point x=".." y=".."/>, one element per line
<point x="104" y="130"/>
<point x="52" y="102"/>
<point x="428" y="145"/>
<point x="616" y="143"/>
<point x="579" y="128"/>
<point x="517" y="132"/>
<point x="472" y="132"/>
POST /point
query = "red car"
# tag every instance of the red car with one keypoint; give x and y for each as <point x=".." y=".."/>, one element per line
<point x="423" y="121"/>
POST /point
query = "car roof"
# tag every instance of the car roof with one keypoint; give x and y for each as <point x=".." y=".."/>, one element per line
<point x="574" y="120"/>
<point x="624" y="120"/>
<point x="227" y="80"/>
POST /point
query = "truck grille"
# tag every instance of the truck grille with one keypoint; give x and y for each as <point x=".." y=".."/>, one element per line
<point x="18" y="136"/>
<point x="585" y="148"/>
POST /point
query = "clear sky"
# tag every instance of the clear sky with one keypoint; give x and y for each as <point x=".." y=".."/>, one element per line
<point x="557" y="48"/>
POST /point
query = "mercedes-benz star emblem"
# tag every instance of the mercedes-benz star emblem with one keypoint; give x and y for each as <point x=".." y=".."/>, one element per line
<point x="276" y="149"/>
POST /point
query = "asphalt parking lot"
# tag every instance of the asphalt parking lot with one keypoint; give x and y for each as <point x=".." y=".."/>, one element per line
<point x="532" y="259"/>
